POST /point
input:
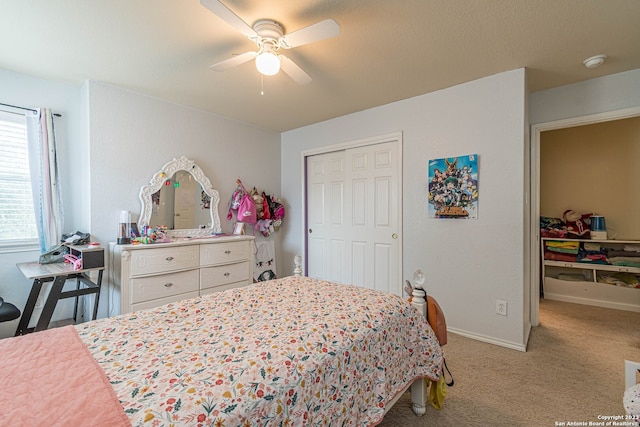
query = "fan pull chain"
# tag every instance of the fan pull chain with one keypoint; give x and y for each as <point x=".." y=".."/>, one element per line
<point x="261" y="84"/>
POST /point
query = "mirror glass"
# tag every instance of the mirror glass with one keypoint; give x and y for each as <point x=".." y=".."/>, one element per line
<point x="180" y="197"/>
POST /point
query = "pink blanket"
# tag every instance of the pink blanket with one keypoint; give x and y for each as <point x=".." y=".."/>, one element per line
<point x="54" y="385"/>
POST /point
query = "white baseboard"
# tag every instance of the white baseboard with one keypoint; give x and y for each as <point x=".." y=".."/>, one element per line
<point x="593" y="302"/>
<point x="490" y="340"/>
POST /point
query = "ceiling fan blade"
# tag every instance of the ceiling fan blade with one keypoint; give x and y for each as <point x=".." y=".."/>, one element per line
<point x="313" y="33"/>
<point x="229" y="17"/>
<point x="296" y="73"/>
<point x="235" y="61"/>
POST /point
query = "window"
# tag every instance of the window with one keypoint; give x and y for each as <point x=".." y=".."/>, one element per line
<point x="17" y="218"/>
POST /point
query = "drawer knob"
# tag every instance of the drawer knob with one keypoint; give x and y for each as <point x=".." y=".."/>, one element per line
<point x="227" y="274"/>
<point x="227" y="252"/>
<point x="168" y="285"/>
<point x="169" y="258"/>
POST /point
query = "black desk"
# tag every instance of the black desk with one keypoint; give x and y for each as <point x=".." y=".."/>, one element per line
<point x="58" y="273"/>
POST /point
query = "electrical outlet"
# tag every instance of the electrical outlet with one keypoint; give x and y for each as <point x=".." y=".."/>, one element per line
<point x="501" y="307"/>
<point x="631" y="373"/>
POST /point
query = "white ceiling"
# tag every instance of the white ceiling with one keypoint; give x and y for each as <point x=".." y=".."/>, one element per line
<point x="386" y="51"/>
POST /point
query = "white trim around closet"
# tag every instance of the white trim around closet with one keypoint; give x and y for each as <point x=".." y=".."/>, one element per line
<point x="391" y="137"/>
<point x="536" y="130"/>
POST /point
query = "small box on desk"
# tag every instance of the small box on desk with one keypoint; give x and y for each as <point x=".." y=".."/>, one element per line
<point x="92" y="256"/>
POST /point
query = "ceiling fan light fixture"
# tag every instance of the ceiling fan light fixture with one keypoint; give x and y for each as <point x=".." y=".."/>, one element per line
<point x="269" y="37"/>
<point x="268" y="63"/>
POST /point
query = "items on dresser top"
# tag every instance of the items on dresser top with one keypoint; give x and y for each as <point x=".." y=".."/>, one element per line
<point x="151" y="275"/>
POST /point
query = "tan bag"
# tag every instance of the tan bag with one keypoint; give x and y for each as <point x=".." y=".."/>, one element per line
<point x="435" y="317"/>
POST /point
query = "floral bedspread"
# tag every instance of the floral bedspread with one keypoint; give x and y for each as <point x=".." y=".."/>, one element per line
<point x="287" y="352"/>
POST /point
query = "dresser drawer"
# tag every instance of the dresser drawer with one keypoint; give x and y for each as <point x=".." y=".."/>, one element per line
<point x="164" y="285"/>
<point x="159" y="260"/>
<point x="211" y="277"/>
<point x="162" y="301"/>
<point x="222" y="253"/>
<point x="224" y="287"/>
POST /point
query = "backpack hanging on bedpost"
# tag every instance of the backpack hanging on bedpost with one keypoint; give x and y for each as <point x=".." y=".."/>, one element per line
<point x="436" y="319"/>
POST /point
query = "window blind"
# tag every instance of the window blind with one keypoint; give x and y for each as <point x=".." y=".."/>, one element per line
<point x="17" y="218"/>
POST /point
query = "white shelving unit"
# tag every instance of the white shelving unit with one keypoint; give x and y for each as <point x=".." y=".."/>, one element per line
<point x="577" y="282"/>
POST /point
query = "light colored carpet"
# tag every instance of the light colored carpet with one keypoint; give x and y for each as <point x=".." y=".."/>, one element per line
<point x="573" y="370"/>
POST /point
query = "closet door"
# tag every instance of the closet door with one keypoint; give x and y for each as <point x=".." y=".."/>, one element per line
<point x="326" y="216"/>
<point x="353" y="216"/>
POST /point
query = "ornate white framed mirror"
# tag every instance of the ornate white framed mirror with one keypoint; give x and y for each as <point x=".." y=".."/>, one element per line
<point x="180" y="197"/>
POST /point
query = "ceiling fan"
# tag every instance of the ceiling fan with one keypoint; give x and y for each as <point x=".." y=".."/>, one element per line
<point x="269" y="36"/>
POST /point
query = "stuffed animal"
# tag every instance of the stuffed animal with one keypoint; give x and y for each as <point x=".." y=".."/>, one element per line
<point x="577" y="225"/>
<point x="264" y="226"/>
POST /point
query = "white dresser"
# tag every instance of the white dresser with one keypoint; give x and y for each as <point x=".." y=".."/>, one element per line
<point x="148" y="276"/>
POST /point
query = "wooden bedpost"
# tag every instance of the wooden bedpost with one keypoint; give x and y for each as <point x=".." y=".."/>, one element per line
<point x="419" y="387"/>
<point x="297" y="261"/>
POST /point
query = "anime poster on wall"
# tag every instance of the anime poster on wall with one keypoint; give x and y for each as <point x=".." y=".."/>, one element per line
<point x="453" y="187"/>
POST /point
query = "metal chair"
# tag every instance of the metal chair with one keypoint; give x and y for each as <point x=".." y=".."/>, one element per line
<point x="8" y="311"/>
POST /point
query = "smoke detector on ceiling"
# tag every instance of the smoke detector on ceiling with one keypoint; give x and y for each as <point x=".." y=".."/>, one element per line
<point x="594" y="61"/>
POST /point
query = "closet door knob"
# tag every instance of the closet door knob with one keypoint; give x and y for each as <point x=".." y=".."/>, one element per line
<point x="169" y="258"/>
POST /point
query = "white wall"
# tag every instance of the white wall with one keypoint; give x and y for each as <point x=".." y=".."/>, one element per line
<point x="468" y="263"/>
<point x="580" y="103"/>
<point x="111" y="141"/>
<point x="133" y="135"/>
<point x="30" y="92"/>
<point x="600" y="95"/>
<point x="571" y="157"/>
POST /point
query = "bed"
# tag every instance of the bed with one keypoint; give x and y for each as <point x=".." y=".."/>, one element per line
<point x="288" y="352"/>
